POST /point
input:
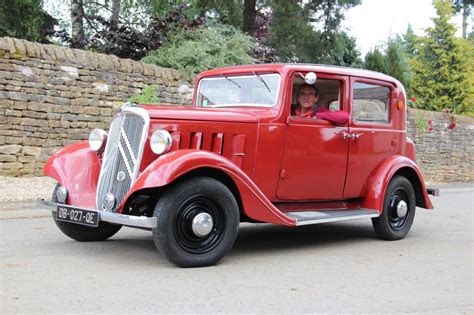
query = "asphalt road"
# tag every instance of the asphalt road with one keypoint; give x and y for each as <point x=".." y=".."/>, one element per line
<point x="338" y="267"/>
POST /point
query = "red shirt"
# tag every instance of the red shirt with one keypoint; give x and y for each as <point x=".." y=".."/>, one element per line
<point x="337" y="117"/>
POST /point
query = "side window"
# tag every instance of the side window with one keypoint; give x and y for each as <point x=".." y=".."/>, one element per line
<point x="327" y="92"/>
<point x="371" y="102"/>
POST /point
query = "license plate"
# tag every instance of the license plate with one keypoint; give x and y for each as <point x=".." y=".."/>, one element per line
<point x="77" y="215"/>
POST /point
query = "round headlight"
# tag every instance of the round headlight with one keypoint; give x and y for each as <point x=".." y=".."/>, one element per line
<point x="97" y="139"/>
<point x="160" y="141"/>
<point x="61" y="194"/>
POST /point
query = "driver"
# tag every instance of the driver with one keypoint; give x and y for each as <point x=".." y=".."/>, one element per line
<point x="307" y="106"/>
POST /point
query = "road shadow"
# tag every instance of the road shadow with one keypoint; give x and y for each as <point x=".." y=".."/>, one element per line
<point x="251" y="240"/>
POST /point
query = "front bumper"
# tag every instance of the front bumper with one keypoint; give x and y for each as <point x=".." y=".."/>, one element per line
<point x="115" y="218"/>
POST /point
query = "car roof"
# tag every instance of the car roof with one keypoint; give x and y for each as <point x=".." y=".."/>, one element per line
<point x="286" y="67"/>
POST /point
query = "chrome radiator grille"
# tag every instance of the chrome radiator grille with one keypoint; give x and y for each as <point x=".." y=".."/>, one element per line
<point x="122" y="156"/>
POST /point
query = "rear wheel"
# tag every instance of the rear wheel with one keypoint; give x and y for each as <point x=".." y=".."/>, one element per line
<point x="398" y="211"/>
<point x="85" y="233"/>
<point x="198" y="222"/>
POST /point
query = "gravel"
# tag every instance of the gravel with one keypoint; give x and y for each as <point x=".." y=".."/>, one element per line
<point x="25" y="189"/>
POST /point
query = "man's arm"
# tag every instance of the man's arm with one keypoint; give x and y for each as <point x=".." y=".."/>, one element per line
<point x="338" y="117"/>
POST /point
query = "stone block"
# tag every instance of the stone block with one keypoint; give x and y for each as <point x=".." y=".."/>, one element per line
<point x="59" y="109"/>
<point x="53" y="116"/>
<point x="106" y="112"/>
<point x="70" y="117"/>
<point x="20" y="48"/>
<point x="93" y="125"/>
<point x="10" y="172"/>
<point x="7" y="158"/>
<point x="2" y="140"/>
<point x="40" y="107"/>
<point x="10" y="149"/>
<point x="18" y="96"/>
<point x="30" y="150"/>
<point x="19" y="105"/>
<point x="26" y="159"/>
<point x="13" y="140"/>
<point x="12" y="165"/>
<point x="76" y="109"/>
<point x="14" y="113"/>
<point x="92" y="110"/>
<point x="33" y="114"/>
<point x="31" y="49"/>
<point x="64" y="123"/>
<point x="54" y="123"/>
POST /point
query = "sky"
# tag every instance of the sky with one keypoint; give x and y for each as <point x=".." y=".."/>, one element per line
<point x="373" y="21"/>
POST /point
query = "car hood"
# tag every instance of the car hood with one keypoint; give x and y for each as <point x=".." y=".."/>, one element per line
<point x="200" y="114"/>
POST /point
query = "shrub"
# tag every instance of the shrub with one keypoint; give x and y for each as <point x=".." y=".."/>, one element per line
<point x="201" y="49"/>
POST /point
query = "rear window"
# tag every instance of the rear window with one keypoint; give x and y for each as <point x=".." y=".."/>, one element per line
<point x="370" y="103"/>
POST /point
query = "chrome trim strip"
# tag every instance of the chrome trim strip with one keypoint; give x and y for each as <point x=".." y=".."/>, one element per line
<point x="327" y="218"/>
<point x="115" y="218"/>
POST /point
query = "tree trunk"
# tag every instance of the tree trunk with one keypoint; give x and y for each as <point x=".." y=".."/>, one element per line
<point x="114" y="18"/>
<point x="250" y="15"/>
<point x="77" y="33"/>
<point x="465" y="14"/>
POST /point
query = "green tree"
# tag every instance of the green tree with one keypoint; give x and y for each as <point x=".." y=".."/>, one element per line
<point x="204" y="48"/>
<point x="309" y="32"/>
<point x="464" y="6"/>
<point x="396" y="61"/>
<point x="25" y="19"/>
<point x="375" y="60"/>
<point x="441" y="68"/>
<point x="290" y="31"/>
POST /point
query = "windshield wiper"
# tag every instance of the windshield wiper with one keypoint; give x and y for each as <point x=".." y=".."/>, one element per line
<point x="231" y="81"/>
<point x="263" y="81"/>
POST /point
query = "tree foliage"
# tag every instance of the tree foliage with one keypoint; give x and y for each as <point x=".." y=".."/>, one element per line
<point x="25" y="19"/>
<point x="309" y="32"/>
<point x="443" y="66"/>
<point x="204" y="48"/>
<point x="127" y="39"/>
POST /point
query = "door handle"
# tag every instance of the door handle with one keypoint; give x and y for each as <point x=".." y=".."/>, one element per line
<point x="346" y="135"/>
<point x="356" y="135"/>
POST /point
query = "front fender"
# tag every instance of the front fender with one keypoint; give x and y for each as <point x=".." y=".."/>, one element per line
<point x="173" y="165"/>
<point x="378" y="183"/>
<point x="77" y="168"/>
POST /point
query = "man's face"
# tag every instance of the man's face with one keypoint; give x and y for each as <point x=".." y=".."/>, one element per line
<point x="307" y="97"/>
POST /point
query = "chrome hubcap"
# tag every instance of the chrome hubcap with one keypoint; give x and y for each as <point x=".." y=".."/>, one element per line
<point x="202" y="224"/>
<point x="402" y="209"/>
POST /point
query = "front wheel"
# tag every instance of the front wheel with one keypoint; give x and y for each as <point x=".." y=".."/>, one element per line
<point x="398" y="210"/>
<point x="198" y="222"/>
<point x="85" y="233"/>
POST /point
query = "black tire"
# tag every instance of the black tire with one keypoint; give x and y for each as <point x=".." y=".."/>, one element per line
<point x="174" y="235"/>
<point x="390" y="225"/>
<point x="83" y="233"/>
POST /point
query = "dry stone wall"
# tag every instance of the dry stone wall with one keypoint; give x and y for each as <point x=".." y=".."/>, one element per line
<point x="51" y="96"/>
<point x="444" y="155"/>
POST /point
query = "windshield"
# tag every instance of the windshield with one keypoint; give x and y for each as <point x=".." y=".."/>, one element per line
<point x="246" y="90"/>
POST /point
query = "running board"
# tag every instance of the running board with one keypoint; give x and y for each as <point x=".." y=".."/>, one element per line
<point x="315" y="217"/>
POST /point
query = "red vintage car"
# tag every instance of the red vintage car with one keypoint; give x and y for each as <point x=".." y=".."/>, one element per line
<point x="240" y="154"/>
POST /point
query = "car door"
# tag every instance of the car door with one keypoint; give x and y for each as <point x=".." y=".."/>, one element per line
<point x="315" y="154"/>
<point x="372" y="135"/>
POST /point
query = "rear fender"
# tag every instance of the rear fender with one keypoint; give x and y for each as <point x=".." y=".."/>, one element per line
<point x="77" y="168"/>
<point x="378" y="183"/>
<point x="169" y="167"/>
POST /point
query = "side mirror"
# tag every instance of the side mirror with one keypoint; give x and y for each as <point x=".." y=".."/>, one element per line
<point x="310" y="78"/>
